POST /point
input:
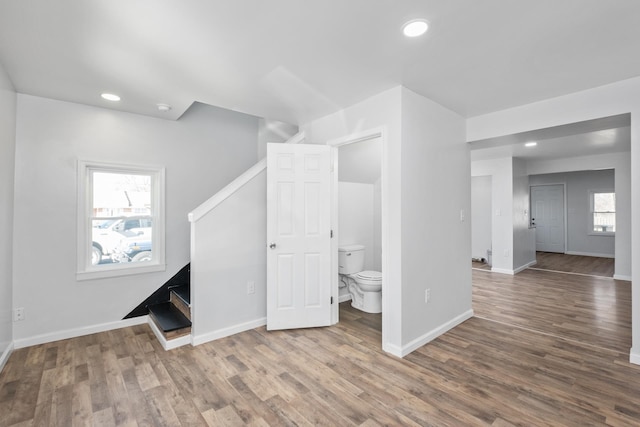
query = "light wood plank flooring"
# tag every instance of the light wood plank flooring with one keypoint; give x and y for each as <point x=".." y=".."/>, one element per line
<point x="595" y="266"/>
<point x="539" y="353"/>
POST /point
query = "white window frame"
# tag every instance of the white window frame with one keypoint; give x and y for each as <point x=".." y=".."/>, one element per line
<point x="86" y="271"/>
<point x="592" y="232"/>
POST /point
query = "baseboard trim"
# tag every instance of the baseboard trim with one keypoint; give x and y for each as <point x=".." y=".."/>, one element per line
<point x="225" y="332"/>
<point x="590" y="254"/>
<point x="429" y="336"/>
<point x="634" y="357"/>
<point x="344" y="298"/>
<point x="168" y="344"/>
<point x="78" y="332"/>
<point x="5" y="355"/>
<point x="524" y="267"/>
<point x="621" y="277"/>
<point x="502" y="271"/>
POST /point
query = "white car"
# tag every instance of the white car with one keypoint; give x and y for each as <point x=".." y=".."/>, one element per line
<point x="107" y="235"/>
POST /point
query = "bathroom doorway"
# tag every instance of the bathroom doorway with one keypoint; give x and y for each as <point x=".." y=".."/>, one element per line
<point x="358" y="204"/>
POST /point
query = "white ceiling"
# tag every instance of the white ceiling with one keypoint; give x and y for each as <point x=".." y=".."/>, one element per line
<point x="295" y="60"/>
<point x="588" y="138"/>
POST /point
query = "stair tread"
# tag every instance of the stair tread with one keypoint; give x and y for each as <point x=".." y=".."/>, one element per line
<point x="168" y="317"/>
<point x="183" y="292"/>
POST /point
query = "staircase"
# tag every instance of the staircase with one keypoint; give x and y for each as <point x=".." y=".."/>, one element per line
<point x="169" y="310"/>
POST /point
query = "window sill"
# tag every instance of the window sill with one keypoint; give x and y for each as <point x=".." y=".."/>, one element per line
<point x="602" y="233"/>
<point x="126" y="270"/>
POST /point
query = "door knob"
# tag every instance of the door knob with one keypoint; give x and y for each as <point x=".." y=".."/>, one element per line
<point x="272" y="246"/>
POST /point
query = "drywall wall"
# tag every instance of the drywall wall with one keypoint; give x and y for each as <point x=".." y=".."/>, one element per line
<point x="273" y="131"/>
<point x="524" y="244"/>
<point x="7" y="159"/>
<point x="203" y="151"/>
<point x="355" y="217"/>
<point x="480" y="216"/>
<point x="377" y="225"/>
<point x="436" y="225"/>
<point x="578" y="184"/>
<point x="622" y="97"/>
<point x="621" y="164"/>
<point x="501" y="172"/>
<point x="223" y="266"/>
<point x="381" y="112"/>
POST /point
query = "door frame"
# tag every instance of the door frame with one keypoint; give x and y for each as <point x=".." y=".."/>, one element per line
<point x="335" y="144"/>
<point x="564" y="207"/>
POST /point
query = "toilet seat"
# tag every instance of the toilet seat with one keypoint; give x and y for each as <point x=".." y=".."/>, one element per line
<point x="369" y="281"/>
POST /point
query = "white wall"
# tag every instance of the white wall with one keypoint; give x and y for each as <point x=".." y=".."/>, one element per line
<point x="621" y="164"/>
<point x="222" y="266"/>
<point x="356" y="217"/>
<point x="7" y="158"/>
<point x="436" y="243"/>
<point x="501" y="172"/>
<point x="617" y="98"/>
<point x="377" y="226"/>
<point x="204" y="150"/>
<point x="480" y="216"/>
<point x="578" y="185"/>
<point x="273" y="131"/>
<point x="524" y="243"/>
<point x="380" y="111"/>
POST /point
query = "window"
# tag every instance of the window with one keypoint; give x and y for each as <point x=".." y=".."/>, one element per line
<point x="120" y="220"/>
<point x="603" y="212"/>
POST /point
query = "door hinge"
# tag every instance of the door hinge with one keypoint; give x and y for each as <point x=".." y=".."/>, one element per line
<point x="331" y="234"/>
<point x="331" y="300"/>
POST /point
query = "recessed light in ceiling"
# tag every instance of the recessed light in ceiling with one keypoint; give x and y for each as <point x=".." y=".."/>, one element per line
<point x="110" y="97"/>
<point x="415" y="28"/>
<point x="165" y="108"/>
<point x="530" y="144"/>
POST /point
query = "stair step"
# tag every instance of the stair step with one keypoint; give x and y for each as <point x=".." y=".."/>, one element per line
<point x="183" y="292"/>
<point x="168" y="317"/>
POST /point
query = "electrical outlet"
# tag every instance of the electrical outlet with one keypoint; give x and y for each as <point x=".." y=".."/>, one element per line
<point x="18" y="314"/>
<point x="251" y="287"/>
<point x="461" y="215"/>
<point x="427" y="295"/>
<point x="506" y="253"/>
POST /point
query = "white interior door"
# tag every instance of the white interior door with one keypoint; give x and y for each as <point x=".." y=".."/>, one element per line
<point x="298" y="236"/>
<point x="547" y="214"/>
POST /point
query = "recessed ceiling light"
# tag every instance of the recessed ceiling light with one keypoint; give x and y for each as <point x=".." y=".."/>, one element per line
<point x="530" y="144"/>
<point x="110" y="97"/>
<point x="415" y="28"/>
<point x="165" y="108"/>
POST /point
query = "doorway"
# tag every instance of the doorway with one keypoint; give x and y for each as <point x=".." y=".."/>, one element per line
<point x="359" y="182"/>
<point x="548" y="217"/>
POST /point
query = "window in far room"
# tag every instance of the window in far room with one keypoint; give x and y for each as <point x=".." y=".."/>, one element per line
<point x="120" y="220"/>
<point x="603" y="212"/>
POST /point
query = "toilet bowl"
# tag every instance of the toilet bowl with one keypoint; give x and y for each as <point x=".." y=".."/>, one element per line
<point x="365" y="287"/>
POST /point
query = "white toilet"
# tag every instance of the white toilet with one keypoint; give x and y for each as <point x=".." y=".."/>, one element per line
<point x="365" y="287"/>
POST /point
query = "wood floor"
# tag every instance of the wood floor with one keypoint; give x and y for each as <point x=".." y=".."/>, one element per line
<point x="545" y="349"/>
<point x="595" y="266"/>
<point x="588" y="265"/>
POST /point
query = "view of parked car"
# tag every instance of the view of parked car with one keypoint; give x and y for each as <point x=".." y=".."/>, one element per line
<point x="133" y="249"/>
<point x="108" y="234"/>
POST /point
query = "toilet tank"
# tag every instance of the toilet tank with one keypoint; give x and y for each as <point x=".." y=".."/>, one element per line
<point x="350" y="259"/>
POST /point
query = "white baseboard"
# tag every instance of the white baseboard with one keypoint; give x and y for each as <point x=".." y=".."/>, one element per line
<point x="524" y="267"/>
<point x="78" y="332"/>
<point x="168" y="344"/>
<point x="622" y="277"/>
<point x="429" y="336"/>
<point x="590" y="254"/>
<point x="343" y="298"/>
<point x="634" y="357"/>
<point x="5" y="355"/>
<point x="225" y="332"/>
<point x="502" y="271"/>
